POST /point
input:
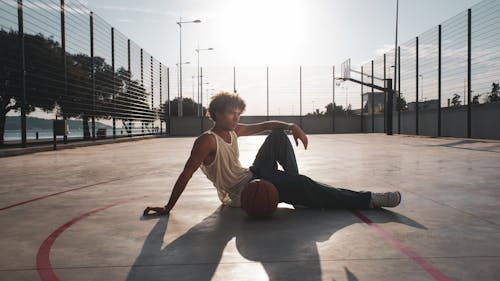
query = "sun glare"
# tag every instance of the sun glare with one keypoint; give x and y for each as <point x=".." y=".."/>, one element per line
<point x="261" y="31"/>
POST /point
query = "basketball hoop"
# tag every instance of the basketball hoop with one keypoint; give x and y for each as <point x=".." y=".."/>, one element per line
<point x="346" y="69"/>
<point x="386" y="88"/>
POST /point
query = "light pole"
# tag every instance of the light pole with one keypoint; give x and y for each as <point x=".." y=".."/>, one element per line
<point x="234" y="79"/>
<point x="179" y="101"/>
<point x="422" y="92"/>
<point x="201" y="94"/>
<point x="396" y="46"/>
<point x="198" y="69"/>
<point x="180" y="22"/>
<point x="208" y="98"/>
<point x="192" y="77"/>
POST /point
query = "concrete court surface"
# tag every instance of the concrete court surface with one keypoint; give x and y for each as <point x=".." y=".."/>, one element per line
<point x="76" y="214"/>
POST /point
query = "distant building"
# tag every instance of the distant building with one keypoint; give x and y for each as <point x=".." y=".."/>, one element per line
<point x="378" y="100"/>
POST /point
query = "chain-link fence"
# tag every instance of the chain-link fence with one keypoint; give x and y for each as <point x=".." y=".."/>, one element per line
<point x="447" y="79"/>
<point x="61" y="61"/>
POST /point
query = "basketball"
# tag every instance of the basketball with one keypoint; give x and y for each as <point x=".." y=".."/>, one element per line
<point x="259" y="198"/>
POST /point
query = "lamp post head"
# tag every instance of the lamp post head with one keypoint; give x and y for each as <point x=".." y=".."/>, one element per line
<point x="181" y="22"/>
<point x="207" y="49"/>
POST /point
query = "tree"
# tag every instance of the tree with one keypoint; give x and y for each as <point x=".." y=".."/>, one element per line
<point x="315" y="113"/>
<point x="187" y="107"/>
<point x="77" y="101"/>
<point x="131" y="101"/>
<point x="455" y="101"/>
<point x="43" y="80"/>
<point x="339" y="110"/>
<point x="401" y="104"/>
<point x="494" y="96"/>
<point x="46" y="88"/>
<point x="475" y="98"/>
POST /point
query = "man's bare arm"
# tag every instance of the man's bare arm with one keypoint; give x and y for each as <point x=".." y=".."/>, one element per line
<point x="251" y="129"/>
<point x="201" y="149"/>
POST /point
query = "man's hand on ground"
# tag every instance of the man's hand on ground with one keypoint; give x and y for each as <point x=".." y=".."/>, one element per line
<point x="157" y="211"/>
<point x="299" y="134"/>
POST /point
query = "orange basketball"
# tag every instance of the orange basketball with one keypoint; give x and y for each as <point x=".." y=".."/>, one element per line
<point x="259" y="198"/>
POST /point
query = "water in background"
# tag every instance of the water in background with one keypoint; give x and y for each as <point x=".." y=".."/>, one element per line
<point x="42" y="134"/>
<point x="11" y="135"/>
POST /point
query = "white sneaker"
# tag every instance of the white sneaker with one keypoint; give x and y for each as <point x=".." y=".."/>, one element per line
<point x="386" y="199"/>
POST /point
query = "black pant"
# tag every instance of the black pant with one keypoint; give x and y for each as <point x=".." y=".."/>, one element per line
<point x="297" y="189"/>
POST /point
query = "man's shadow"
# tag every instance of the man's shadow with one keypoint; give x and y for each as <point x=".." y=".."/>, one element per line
<point x="284" y="244"/>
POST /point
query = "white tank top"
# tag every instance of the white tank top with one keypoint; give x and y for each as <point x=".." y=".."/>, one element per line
<point x="226" y="172"/>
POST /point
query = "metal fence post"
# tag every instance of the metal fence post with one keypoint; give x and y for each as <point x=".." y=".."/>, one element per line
<point x="388" y="104"/>
<point x="63" y="47"/>
<point x="416" y="86"/>
<point x="373" y="104"/>
<point x="169" y="104"/>
<point x="161" y="103"/>
<point x="300" y="96"/>
<point x="23" y="71"/>
<point x="333" y="99"/>
<point x="439" y="82"/>
<point x="385" y="102"/>
<point x="142" y="84"/>
<point x="129" y="78"/>
<point x="114" y="78"/>
<point x="267" y="90"/>
<point x="469" y="123"/>
<point x="92" y="72"/>
<point x="362" y="125"/>
<point x="152" y="91"/>
<point x="399" y="90"/>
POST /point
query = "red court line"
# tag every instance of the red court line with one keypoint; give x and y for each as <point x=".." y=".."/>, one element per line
<point x="43" y="265"/>
<point x="61" y="192"/>
<point x="438" y="275"/>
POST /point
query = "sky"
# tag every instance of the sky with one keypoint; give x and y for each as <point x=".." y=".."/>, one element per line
<point x="279" y="34"/>
<point x="273" y="32"/>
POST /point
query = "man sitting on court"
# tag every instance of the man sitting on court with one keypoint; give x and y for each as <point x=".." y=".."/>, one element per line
<point x="216" y="153"/>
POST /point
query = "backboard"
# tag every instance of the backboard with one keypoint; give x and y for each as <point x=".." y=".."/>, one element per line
<point x="346" y="69"/>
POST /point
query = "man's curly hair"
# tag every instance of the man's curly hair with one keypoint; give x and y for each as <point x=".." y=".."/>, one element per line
<point x="223" y="100"/>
